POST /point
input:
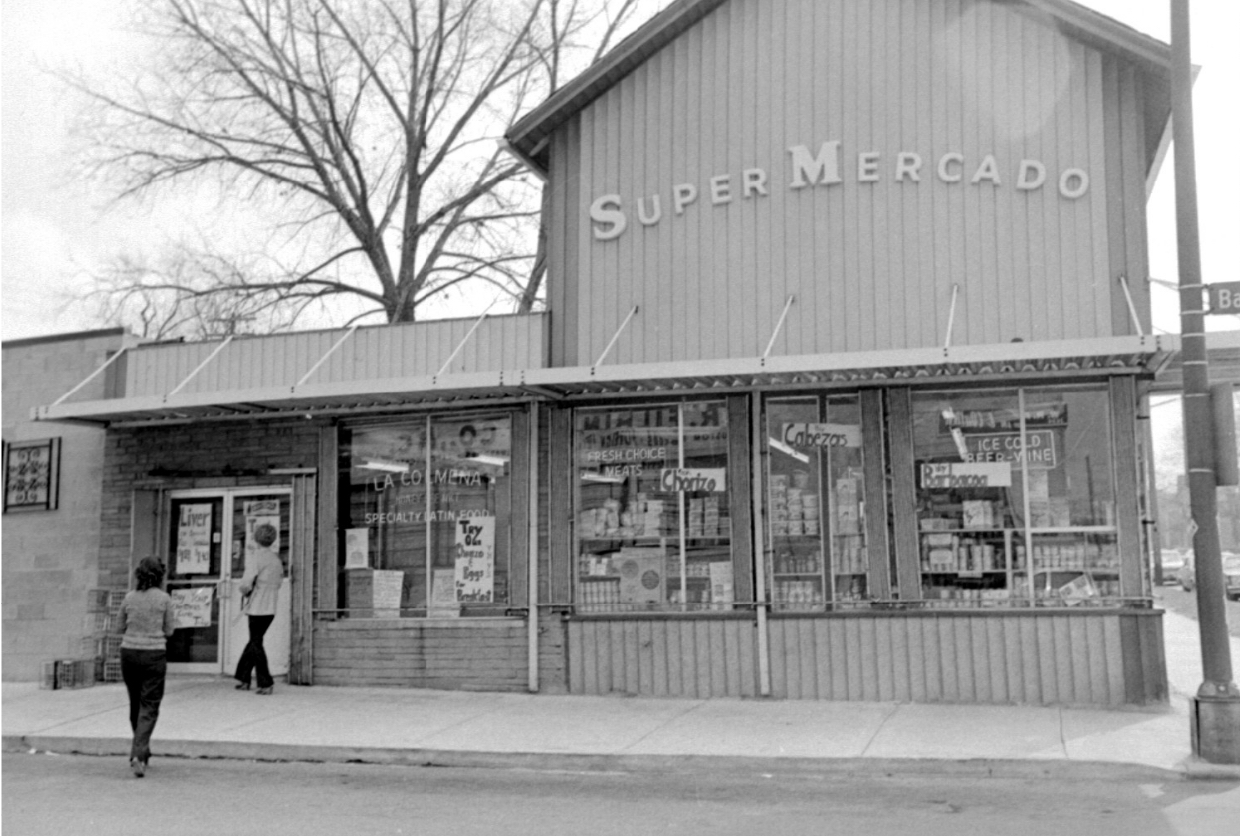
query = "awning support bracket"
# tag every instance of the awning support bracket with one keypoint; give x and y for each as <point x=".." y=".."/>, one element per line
<point x="779" y="325"/>
<point x="1132" y="309"/>
<point x="200" y="367"/>
<point x="464" y="340"/>
<point x="951" y="316"/>
<point x="91" y="376"/>
<point x="615" y="337"/>
<point x="327" y="354"/>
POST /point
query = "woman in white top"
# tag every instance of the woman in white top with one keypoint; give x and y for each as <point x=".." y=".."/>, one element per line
<point x="146" y="622"/>
<point x="260" y="589"/>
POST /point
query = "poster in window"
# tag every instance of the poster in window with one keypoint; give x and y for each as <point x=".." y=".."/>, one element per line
<point x="192" y="607"/>
<point x="261" y="514"/>
<point x="475" y="560"/>
<point x="357" y="548"/>
<point x="443" y="594"/>
<point x="32" y="475"/>
<point x="194" y="539"/>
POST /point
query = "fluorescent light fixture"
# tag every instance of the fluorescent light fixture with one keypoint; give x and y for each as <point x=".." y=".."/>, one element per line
<point x="386" y="467"/>
<point x="784" y="448"/>
<point x="494" y="461"/>
<point x="961" y="448"/>
<point x="599" y="477"/>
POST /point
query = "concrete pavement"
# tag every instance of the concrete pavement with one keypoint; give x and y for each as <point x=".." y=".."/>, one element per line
<point x="206" y="717"/>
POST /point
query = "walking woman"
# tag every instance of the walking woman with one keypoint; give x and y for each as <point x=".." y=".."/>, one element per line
<point x="260" y="589"/>
<point x="146" y="622"/>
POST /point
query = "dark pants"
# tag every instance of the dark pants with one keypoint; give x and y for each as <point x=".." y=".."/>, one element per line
<point x="254" y="658"/>
<point x="144" y="672"/>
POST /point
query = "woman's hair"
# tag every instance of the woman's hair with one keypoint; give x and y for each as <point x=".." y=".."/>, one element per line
<point x="149" y="574"/>
<point x="265" y="534"/>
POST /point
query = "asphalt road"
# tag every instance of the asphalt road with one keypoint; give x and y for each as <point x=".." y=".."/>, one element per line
<point x="60" y="795"/>
<point x="1176" y="600"/>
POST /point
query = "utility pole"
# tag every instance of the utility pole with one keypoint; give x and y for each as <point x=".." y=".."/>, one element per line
<point x="1215" y="711"/>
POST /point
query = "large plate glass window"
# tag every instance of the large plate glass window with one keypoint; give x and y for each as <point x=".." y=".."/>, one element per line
<point x="1015" y="497"/>
<point x="427" y="522"/>
<point x="653" y="530"/>
<point x="815" y="502"/>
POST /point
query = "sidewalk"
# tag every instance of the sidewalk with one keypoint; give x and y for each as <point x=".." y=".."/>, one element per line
<point x="206" y="717"/>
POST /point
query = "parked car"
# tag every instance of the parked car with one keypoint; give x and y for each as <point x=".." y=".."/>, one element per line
<point x="1187" y="577"/>
<point x="1172" y="560"/>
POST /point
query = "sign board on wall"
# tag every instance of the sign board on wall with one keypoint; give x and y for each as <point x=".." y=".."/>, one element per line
<point x="1224" y="298"/>
<point x="194" y="539"/>
<point x="31" y="475"/>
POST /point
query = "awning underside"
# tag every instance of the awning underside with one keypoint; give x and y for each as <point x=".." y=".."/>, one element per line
<point x="923" y="366"/>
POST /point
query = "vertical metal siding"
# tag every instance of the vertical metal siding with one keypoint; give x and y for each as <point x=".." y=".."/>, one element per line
<point x="392" y="351"/>
<point x="1085" y="659"/>
<point x="663" y="657"/>
<point x="872" y="265"/>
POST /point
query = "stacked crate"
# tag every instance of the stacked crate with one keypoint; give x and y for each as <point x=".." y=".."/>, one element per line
<point x="103" y="639"/>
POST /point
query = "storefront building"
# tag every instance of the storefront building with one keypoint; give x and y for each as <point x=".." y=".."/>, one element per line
<point x="840" y="394"/>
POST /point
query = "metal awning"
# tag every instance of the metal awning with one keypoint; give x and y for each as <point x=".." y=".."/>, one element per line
<point x="998" y="364"/>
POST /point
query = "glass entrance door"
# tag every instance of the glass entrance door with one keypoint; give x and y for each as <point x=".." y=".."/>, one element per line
<point x="211" y="545"/>
<point x="196" y="558"/>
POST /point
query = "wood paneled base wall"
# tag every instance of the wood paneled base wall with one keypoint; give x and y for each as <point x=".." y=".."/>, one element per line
<point x="1041" y="657"/>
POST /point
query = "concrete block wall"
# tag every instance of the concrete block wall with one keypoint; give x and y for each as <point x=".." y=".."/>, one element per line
<point x="50" y="558"/>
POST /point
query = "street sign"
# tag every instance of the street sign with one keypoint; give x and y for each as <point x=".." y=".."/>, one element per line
<point x="1224" y="298"/>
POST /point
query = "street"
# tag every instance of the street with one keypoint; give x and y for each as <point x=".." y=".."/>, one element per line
<point x="46" y="794"/>
<point x="1176" y="600"/>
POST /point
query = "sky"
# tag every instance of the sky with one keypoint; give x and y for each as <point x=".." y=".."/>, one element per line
<point x="56" y="226"/>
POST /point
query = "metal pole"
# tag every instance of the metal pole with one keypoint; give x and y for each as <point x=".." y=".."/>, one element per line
<point x="951" y="317"/>
<point x="759" y="547"/>
<point x="779" y="325"/>
<point x="532" y="572"/>
<point x="1217" y="681"/>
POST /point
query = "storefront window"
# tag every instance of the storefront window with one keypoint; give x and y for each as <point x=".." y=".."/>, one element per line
<point x="814" y="502"/>
<point x="653" y="529"/>
<point x="1012" y="509"/>
<point x="428" y="524"/>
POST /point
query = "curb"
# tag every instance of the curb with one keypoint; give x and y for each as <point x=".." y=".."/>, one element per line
<point x="570" y="762"/>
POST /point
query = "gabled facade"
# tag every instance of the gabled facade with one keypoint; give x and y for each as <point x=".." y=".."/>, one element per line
<point x="838" y="394"/>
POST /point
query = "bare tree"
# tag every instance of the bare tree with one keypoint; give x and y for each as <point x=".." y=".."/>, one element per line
<point x="366" y="129"/>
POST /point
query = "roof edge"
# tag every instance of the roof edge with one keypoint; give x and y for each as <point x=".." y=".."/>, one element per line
<point x="529" y="134"/>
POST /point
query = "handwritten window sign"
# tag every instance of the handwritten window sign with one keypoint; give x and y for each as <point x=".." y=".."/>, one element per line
<point x="1006" y="447"/>
<point x="822" y="435"/>
<point x="946" y="475"/>
<point x="707" y="479"/>
<point x="32" y="475"/>
<point x="475" y="560"/>
<point x="194" y="539"/>
<point x="192" y="607"/>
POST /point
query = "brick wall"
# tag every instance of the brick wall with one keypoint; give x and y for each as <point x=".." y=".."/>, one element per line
<point x="50" y="557"/>
<point x="219" y="455"/>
